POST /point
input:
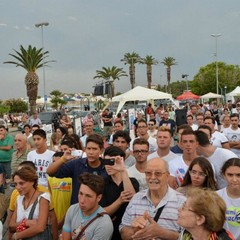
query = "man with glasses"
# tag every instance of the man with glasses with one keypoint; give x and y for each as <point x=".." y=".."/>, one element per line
<point x="164" y="139"/>
<point x="140" y="152"/>
<point x="152" y="213"/>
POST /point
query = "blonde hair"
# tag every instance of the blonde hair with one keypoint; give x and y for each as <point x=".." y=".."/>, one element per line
<point x="209" y="204"/>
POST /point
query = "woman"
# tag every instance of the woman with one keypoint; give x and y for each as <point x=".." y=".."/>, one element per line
<point x="203" y="216"/>
<point x="61" y="132"/>
<point x="65" y="121"/>
<point x="199" y="174"/>
<point x="231" y="195"/>
<point x="226" y="122"/>
<point x="30" y="217"/>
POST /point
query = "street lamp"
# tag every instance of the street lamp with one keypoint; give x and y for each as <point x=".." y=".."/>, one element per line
<point x="185" y="76"/>
<point x="216" y="38"/>
<point x="225" y="92"/>
<point x="43" y="24"/>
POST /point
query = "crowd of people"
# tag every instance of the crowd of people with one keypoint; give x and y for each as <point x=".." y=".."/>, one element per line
<point x="169" y="181"/>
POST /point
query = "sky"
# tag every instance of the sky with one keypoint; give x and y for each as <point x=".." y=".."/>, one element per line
<point x="85" y="35"/>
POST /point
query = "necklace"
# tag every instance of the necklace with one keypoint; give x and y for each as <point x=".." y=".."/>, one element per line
<point x="30" y="199"/>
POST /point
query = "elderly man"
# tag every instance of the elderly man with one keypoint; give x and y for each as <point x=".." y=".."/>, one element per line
<point x="35" y="120"/>
<point x="21" y="152"/>
<point x="152" y="213"/>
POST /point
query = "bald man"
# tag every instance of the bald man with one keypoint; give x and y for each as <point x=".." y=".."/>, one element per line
<point x="21" y="152"/>
<point x="156" y="207"/>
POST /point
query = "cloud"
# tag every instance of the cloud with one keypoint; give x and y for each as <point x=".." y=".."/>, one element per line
<point x="71" y="18"/>
<point x="16" y="27"/>
<point x="3" y="24"/>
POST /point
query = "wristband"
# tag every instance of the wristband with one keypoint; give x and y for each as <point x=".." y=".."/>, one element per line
<point x="62" y="159"/>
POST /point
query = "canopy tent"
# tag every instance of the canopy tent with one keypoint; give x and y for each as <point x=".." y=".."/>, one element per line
<point x="187" y="95"/>
<point x="235" y="93"/>
<point x="140" y="94"/>
<point x="211" y="95"/>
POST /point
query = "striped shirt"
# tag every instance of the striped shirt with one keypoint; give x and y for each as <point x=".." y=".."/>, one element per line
<point x="141" y="202"/>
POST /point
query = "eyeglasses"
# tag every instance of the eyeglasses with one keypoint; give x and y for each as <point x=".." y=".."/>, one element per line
<point x="140" y="151"/>
<point x="195" y="173"/>
<point x="156" y="173"/>
<point x="184" y="208"/>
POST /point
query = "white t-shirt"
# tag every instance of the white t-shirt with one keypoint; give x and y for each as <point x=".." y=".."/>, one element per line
<point x="42" y="162"/>
<point x="152" y="144"/>
<point x="24" y="213"/>
<point x="217" y="159"/>
<point x="218" y="139"/>
<point x="232" y="222"/>
<point x="170" y="156"/>
<point x="233" y="136"/>
<point x="178" y="169"/>
<point x="141" y="178"/>
<point x="153" y="133"/>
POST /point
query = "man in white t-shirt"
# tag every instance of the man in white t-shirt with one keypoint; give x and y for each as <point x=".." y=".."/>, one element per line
<point x="88" y="126"/>
<point x="164" y="139"/>
<point x="233" y="134"/>
<point x="142" y="133"/>
<point x="179" y="166"/>
<point x="216" y="156"/>
<point x="35" y="120"/>
<point x="217" y="139"/>
<point x="140" y="152"/>
<point x="41" y="157"/>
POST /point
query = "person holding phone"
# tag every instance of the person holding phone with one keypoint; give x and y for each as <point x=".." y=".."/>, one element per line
<point x="119" y="188"/>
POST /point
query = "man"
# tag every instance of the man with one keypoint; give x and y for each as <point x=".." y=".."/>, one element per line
<point x="6" y="151"/>
<point x="140" y="152"/>
<point x="233" y="134"/>
<point x="164" y="139"/>
<point x="177" y="149"/>
<point x="142" y="133"/>
<point x="216" y="156"/>
<point x="41" y="157"/>
<point x="118" y="126"/>
<point x="218" y="139"/>
<point x="169" y="123"/>
<point x="152" y="131"/>
<point x="107" y="118"/>
<point x="118" y="189"/>
<point x="88" y="126"/>
<point x="87" y="208"/>
<point x="121" y="139"/>
<point x="138" y="222"/>
<point x="200" y="119"/>
<point x="35" y="120"/>
<point x="73" y="168"/>
<point x="193" y="111"/>
<point x="30" y="141"/>
<point x="190" y="123"/>
<point x="27" y="130"/>
<point x="179" y="166"/>
<point x="136" y="120"/>
<point x="21" y="152"/>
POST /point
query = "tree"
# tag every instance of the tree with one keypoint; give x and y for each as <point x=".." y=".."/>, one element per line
<point x="149" y="61"/>
<point x="30" y="59"/>
<point x="16" y="105"/>
<point x="110" y="74"/>
<point x="205" y="80"/>
<point x="131" y="59"/>
<point x="57" y="99"/>
<point x="169" y="62"/>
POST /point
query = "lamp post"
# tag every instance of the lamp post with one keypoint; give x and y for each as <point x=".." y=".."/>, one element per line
<point x="225" y="92"/>
<point x="185" y="76"/>
<point x="43" y="24"/>
<point x="216" y="41"/>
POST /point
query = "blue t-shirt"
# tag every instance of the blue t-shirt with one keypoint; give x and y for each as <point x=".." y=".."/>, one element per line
<point x="73" y="169"/>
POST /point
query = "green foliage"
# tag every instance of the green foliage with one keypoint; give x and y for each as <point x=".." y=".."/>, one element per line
<point x="16" y="105"/>
<point x="205" y="80"/>
<point x="57" y="101"/>
<point x="3" y="109"/>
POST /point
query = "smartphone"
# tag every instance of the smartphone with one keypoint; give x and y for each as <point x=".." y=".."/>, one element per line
<point x="108" y="161"/>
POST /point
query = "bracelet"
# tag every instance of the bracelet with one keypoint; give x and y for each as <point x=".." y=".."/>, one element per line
<point x="62" y="159"/>
<point x="14" y="237"/>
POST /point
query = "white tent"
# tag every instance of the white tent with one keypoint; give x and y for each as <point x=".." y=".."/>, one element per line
<point x="211" y="95"/>
<point x="235" y="93"/>
<point x="41" y="100"/>
<point x="140" y="94"/>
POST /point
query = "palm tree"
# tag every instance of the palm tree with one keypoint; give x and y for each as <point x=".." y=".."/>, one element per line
<point x="110" y="74"/>
<point x="30" y="59"/>
<point x="149" y="61"/>
<point x="168" y="62"/>
<point x="131" y="59"/>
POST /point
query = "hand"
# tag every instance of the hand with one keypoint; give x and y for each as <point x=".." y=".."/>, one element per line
<point x="119" y="164"/>
<point x="141" y="222"/>
<point x="68" y="155"/>
<point x="126" y="196"/>
<point x="150" y="231"/>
